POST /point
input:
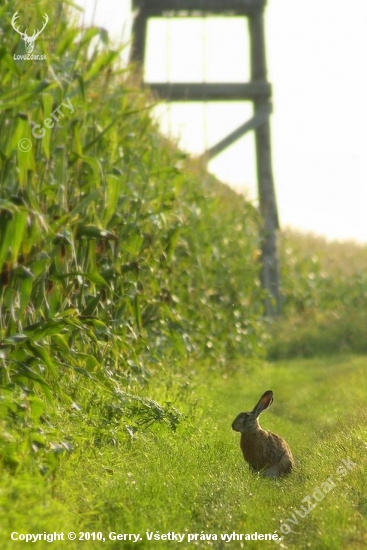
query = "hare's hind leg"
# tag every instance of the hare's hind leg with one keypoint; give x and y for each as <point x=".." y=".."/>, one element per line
<point x="286" y="464"/>
<point x="272" y="471"/>
<point x="281" y="468"/>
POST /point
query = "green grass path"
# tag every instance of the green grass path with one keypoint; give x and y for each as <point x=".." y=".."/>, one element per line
<point x="195" y="480"/>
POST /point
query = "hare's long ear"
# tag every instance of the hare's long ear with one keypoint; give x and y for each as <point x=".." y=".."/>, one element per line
<point x="265" y="401"/>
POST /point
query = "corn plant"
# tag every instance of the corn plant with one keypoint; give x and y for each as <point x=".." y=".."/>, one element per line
<point x="115" y="259"/>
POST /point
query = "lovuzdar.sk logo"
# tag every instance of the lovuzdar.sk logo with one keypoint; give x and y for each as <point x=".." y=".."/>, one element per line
<point x="29" y="40"/>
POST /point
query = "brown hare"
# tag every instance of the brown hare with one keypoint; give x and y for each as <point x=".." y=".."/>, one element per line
<point x="264" y="451"/>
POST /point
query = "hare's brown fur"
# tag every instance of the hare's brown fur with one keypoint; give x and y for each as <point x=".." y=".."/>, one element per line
<point x="265" y="452"/>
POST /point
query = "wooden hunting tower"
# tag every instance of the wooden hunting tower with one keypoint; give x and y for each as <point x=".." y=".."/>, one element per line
<point x="257" y="90"/>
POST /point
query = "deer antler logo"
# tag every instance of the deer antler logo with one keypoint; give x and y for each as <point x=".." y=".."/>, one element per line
<point x="29" y="40"/>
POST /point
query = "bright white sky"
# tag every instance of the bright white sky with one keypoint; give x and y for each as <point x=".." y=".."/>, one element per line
<point x="317" y="59"/>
